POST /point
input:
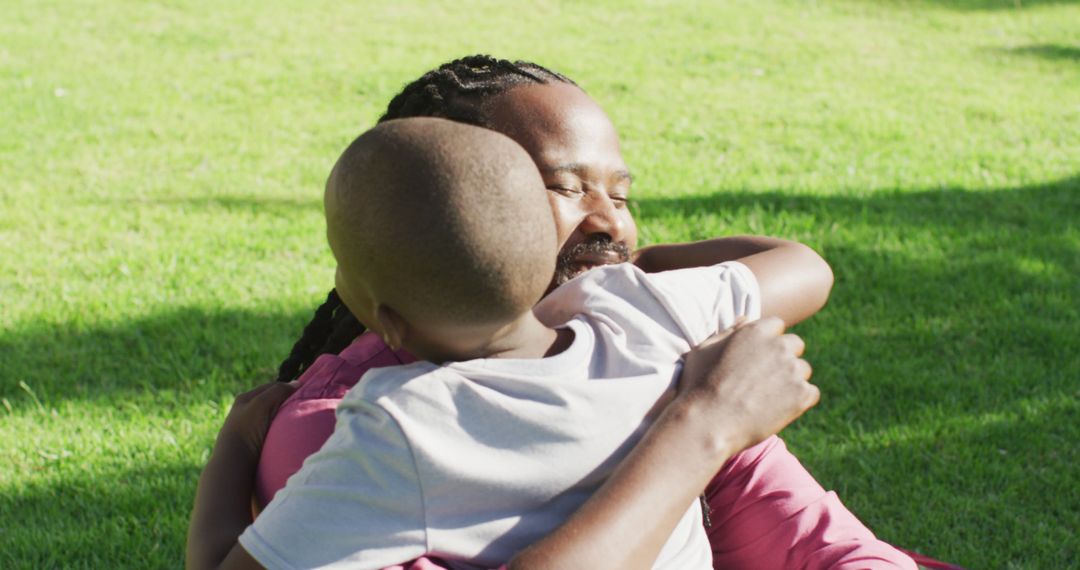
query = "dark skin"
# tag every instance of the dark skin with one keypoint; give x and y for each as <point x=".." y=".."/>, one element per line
<point x="576" y="149"/>
<point x="382" y="170"/>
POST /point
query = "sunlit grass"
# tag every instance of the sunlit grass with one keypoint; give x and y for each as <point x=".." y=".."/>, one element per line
<point x="161" y="241"/>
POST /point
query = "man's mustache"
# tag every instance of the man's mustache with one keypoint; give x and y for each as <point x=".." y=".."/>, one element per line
<point x="596" y="244"/>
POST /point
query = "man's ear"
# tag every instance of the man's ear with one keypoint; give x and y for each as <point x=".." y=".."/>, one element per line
<point x="394" y="328"/>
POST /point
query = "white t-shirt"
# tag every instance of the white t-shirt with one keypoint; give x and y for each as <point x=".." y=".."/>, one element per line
<point x="473" y="461"/>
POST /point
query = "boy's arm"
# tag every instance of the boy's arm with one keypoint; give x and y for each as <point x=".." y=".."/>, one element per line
<point x="736" y="389"/>
<point x="794" y="280"/>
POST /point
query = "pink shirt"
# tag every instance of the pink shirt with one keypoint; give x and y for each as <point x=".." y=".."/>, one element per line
<point x="305" y="421"/>
<point x="767" y="511"/>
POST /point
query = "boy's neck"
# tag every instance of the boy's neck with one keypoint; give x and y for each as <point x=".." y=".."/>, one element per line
<point x="527" y="338"/>
<point x="524" y="337"/>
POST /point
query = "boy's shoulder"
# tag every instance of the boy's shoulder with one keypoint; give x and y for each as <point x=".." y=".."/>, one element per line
<point x="629" y="281"/>
<point x="378" y="383"/>
<point x="689" y="302"/>
<point x="621" y="280"/>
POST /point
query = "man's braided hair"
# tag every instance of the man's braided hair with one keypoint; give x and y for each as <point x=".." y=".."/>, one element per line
<point x="454" y="91"/>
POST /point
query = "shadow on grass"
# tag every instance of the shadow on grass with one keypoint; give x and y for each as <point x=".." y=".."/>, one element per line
<point x="92" y="510"/>
<point x="943" y="297"/>
<point x="178" y="350"/>
<point x="981" y="490"/>
<point x="955" y="317"/>
<point x="134" y="518"/>
<point x="1048" y="51"/>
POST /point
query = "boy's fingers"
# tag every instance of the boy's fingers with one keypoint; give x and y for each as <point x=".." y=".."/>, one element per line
<point x="794" y="343"/>
<point x="804" y="369"/>
<point x="773" y="326"/>
<point x="813" y="396"/>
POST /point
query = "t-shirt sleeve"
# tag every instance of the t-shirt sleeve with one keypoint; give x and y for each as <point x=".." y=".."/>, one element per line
<point x="357" y="502"/>
<point x="706" y="300"/>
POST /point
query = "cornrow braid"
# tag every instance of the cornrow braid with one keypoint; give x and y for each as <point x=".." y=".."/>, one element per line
<point x="345" y="329"/>
<point x="454" y="91"/>
<point x="305" y="349"/>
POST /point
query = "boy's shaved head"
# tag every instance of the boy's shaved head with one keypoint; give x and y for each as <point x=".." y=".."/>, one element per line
<point x="444" y="223"/>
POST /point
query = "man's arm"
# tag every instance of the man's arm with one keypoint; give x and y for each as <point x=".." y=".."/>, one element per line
<point x="223" y="499"/>
<point x="794" y="280"/>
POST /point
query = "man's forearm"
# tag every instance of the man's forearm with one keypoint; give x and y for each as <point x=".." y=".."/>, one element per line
<point x="222" y="503"/>
<point x="794" y="280"/>
<point x="667" y="257"/>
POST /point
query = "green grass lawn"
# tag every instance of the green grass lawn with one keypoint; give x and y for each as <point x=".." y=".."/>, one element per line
<point x="161" y="241"/>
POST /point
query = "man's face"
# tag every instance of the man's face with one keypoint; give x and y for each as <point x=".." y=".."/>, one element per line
<point x="577" y="151"/>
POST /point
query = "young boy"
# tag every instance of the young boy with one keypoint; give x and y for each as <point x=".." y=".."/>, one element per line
<point x="444" y="243"/>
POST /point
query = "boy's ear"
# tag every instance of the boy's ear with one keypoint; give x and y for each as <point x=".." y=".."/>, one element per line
<point x="394" y="328"/>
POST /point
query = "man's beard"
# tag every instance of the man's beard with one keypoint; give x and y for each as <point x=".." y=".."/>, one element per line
<point x="567" y="267"/>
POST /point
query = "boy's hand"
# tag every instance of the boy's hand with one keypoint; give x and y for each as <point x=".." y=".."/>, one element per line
<point x="747" y="383"/>
<point x="251" y="413"/>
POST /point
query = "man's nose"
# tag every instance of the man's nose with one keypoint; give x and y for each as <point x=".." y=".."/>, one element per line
<point x="603" y="217"/>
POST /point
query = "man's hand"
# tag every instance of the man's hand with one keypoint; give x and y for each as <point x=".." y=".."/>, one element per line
<point x="746" y="384"/>
<point x="251" y="414"/>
